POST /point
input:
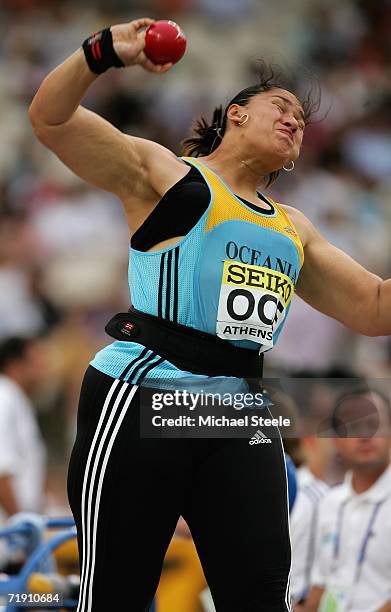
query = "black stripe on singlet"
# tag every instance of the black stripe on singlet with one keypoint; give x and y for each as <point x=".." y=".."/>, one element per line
<point x="149" y="367"/>
<point x="132" y="363"/>
<point x="160" y="290"/>
<point x="143" y="363"/>
<point x="168" y="286"/>
<point x="176" y="285"/>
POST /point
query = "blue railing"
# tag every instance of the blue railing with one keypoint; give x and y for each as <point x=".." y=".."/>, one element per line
<point x="38" y="558"/>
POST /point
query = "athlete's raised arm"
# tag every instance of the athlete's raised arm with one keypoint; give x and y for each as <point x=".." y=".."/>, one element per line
<point x="336" y="285"/>
<point x="134" y="169"/>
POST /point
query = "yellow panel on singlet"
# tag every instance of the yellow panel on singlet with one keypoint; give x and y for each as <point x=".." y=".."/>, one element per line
<point x="226" y="206"/>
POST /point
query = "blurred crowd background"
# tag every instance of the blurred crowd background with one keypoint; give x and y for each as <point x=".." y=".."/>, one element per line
<point x="64" y="246"/>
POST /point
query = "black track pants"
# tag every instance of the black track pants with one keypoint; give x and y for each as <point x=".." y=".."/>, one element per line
<point x="127" y="493"/>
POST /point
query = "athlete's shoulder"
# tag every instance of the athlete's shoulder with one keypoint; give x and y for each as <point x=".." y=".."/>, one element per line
<point x="162" y="166"/>
<point x="303" y="225"/>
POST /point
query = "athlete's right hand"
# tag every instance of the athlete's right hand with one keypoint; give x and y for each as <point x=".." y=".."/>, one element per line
<point x="129" y="43"/>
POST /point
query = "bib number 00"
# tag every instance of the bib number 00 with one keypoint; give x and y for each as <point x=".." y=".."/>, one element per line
<point x="248" y="314"/>
<point x="267" y="313"/>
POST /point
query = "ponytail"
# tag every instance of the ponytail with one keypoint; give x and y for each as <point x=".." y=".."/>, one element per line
<point x="206" y="137"/>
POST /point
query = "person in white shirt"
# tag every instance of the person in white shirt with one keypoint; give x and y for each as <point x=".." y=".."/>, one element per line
<point x="352" y="569"/>
<point x="311" y="488"/>
<point x="22" y="452"/>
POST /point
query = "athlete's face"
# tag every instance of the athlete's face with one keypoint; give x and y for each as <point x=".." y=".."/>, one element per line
<point x="276" y="123"/>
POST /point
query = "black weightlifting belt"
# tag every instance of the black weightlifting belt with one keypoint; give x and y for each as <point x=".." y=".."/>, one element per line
<point x="188" y="349"/>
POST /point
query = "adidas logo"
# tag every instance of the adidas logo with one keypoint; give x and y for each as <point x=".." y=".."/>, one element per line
<point x="259" y="438"/>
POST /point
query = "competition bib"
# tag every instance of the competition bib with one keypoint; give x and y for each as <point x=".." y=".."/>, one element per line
<point x="253" y="302"/>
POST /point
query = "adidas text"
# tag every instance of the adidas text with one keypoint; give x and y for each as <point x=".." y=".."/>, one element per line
<point x="259" y="438"/>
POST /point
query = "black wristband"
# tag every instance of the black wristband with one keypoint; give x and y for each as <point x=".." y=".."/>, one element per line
<point x="99" y="52"/>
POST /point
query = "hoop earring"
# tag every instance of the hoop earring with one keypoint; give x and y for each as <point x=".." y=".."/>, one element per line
<point x="245" y="121"/>
<point x="291" y="168"/>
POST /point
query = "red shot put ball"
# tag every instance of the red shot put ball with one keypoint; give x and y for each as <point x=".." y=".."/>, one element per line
<point x="164" y="42"/>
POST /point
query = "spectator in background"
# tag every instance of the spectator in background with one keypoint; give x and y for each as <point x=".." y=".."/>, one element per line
<point x="311" y="476"/>
<point x="22" y="453"/>
<point x="352" y="569"/>
<point x="20" y="312"/>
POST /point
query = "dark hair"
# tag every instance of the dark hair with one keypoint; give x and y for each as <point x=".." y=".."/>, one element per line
<point x="208" y="136"/>
<point x="358" y="391"/>
<point x="13" y="349"/>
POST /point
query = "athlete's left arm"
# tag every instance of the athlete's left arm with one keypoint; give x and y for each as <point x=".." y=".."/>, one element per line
<point x="335" y="284"/>
<point x="386" y="607"/>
